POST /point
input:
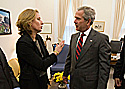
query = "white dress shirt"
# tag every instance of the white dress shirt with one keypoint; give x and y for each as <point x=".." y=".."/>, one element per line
<point x="84" y="37"/>
<point x="17" y="88"/>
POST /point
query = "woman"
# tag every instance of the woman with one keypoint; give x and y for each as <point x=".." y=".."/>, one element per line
<point x="32" y="54"/>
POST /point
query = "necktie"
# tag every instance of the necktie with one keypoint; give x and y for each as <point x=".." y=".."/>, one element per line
<point x="79" y="46"/>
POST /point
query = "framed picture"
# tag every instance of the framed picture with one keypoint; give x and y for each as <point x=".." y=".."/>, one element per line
<point x="99" y="25"/>
<point x="47" y="28"/>
<point x="5" y="23"/>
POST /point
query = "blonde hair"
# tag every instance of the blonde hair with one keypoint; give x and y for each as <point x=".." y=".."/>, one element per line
<point x="24" y="20"/>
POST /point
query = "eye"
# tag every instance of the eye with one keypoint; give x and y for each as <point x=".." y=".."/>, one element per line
<point x="78" y="18"/>
<point x="38" y="18"/>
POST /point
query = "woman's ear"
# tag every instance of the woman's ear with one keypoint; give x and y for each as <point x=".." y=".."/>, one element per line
<point x="30" y="23"/>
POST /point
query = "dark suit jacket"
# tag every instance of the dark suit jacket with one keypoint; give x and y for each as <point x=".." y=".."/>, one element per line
<point x="92" y="69"/>
<point x="119" y="70"/>
<point x="33" y="64"/>
<point x="7" y="78"/>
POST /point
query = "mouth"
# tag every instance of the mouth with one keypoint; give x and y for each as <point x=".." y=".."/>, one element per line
<point x="76" y="26"/>
<point x="41" y="26"/>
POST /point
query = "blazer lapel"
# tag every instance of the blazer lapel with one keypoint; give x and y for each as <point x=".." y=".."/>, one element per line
<point x="87" y="44"/>
<point x="75" y="38"/>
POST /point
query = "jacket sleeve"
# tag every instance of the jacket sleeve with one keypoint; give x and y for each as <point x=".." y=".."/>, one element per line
<point x="119" y="65"/>
<point x="13" y="78"/>
<point x="68" y="62"/>
<point x="104" y="62"/>
<point x="8" y="73"/>
<point x="26" y="52"/>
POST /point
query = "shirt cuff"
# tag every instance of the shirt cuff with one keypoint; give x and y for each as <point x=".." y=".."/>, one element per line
<point x="17" y="88"/>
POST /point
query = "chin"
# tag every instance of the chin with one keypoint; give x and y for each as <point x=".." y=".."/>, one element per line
<point x="39" y="31"/>
<point x="77" y="29"/>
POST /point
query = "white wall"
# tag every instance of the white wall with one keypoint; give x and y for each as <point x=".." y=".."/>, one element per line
<point x="47" y="10"/>
<point x="8" y="42"/>
<point x="104" y="12"/>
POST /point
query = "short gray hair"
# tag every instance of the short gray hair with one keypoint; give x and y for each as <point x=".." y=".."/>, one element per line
<point x="89" y="13"/>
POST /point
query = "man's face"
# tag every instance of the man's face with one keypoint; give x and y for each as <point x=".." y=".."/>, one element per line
<point x="80" y="23"/>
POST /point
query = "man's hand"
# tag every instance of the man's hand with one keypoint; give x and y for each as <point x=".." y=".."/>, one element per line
<point x="65" y="79"/>
<point x="118" y="82"/>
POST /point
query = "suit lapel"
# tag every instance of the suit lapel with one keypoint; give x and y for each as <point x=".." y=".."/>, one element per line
<point x="75" y="38"/>
<point x="87" y="45"/>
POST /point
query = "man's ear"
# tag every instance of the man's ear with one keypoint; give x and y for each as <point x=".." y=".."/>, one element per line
<point x="88" y="22"/>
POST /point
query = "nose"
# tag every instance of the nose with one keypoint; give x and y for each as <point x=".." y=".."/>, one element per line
<point x="75" y="21"/>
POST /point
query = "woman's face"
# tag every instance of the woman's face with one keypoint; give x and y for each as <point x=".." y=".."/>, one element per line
<point x="37" y="23"/>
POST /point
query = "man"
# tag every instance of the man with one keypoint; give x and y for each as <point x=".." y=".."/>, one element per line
<point x="7" y="78"/>
<point x="89" y="69"/>
<point x="119" y="71"/>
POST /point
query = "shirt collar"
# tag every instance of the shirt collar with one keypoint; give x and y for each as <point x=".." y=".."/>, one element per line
<point x="86" y="32"/>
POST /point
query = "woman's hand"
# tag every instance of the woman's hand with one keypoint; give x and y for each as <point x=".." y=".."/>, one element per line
<point x="65" y="80"/>
<point x="59" y="47"/>
<point x="118" y="82"/>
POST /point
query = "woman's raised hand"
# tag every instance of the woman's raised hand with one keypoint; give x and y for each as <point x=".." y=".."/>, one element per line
<point x="59" y="47"/>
